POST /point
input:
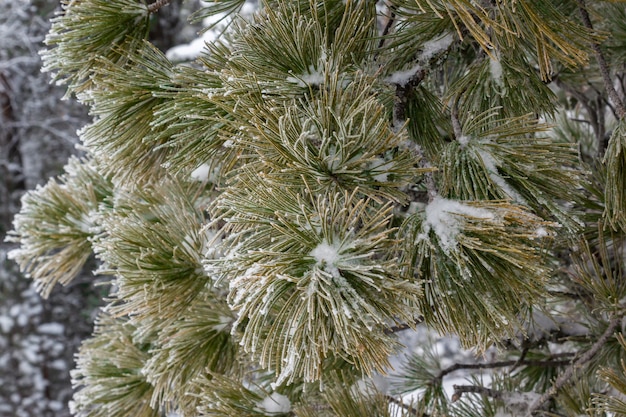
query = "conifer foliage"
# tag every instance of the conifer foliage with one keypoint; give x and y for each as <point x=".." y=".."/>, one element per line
<point x="328" y="174"/>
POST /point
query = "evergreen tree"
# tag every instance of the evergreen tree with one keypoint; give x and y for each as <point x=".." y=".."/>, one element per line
<point x="327" y="175"/>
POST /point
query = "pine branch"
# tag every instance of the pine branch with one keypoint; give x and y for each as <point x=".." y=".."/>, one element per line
<point x="569" y="372"/>
<point x="459" y="390"/>
<point x="604" y="69"/>
<point x="157" y="5"/>
<point x="390" y="21"/>
<point x="501" y="364"/>
<point x="456" y="124"/>
<point x="403" y="92"/>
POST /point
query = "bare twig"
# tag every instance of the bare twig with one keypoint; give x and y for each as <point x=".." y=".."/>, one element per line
<point x="600" y="98"/>
<point x="569" y="372"/>
<point x="604" y="68"/>
<point x="459" y="390"/>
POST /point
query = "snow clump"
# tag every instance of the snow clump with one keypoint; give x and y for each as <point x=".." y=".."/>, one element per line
<point x="445" y="218"/>
<point x="275" y="404"/>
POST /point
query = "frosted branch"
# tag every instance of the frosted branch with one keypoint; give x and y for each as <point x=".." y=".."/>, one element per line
<point x="569" y="372"/>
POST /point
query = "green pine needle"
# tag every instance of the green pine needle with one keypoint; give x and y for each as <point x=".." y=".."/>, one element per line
<point x="313" y="278"/>
<point x="87" y="30"/>
<point x="615" y="191"/>
<point x="124" y="100"/>
<point x="482" y="266"/>
<point x="112" y="384"/>
<point x="179" y="355"/>
<point x="155" y="244"/>
<point x="57" y="224"/>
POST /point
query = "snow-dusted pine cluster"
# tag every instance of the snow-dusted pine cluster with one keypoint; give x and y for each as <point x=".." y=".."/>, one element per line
<point x="326" y="178"/>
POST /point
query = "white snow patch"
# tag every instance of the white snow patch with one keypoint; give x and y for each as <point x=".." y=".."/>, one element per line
<point x="55" y="405"/>
<point x="220" y="21"/>
<point x="463" y="140"/>
<point x="540" y="325"/>
<point x="445" y="218"/>
<point x="193" y="49"/>
<point x="380" y="169"/>
<point x="518" y="403"/>
<point x="436" y="46"/>
<point x="201" y="173"/>
<point x="403" y="77"/>
<point x="275" y="404"/>
<point x="326" y="257"/>
<point x="51" y="328"/>
<point x="313" y="78"/>
<point x="6" y="324"/>
<point x="429" y="50"/>
<point x="495" y="69"/>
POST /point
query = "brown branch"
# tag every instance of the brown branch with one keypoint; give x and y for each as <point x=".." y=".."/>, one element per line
<point x="604" y="68"/>
<point x="569" y="372"/>
<point x="154" y="7"/>
<point x="620" y="77"/>
<point x="403" y="326"/>
<point x="501" y="364"/>
<point x="388" y="25"/>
